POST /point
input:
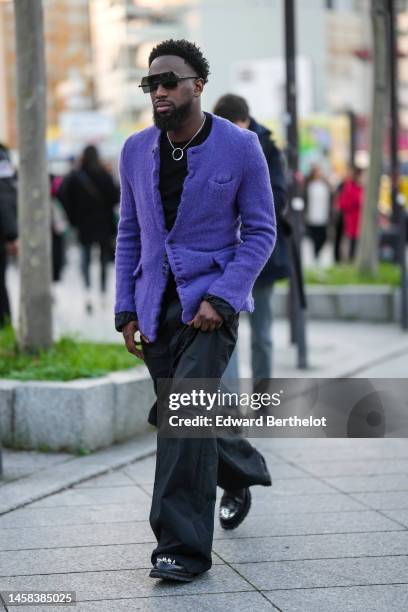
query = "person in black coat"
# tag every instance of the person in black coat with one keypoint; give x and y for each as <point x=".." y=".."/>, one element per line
<point x="89" y="195"/>
<point x="8" y="227"/>
<point x="235" y="109"/>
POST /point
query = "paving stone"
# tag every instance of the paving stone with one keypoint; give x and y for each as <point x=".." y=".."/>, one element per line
<point x="327" y="450"/>
<point x="296" y="486"/>
<point x="79" y="559"/>
<point x="398" y="515"/>
<point x="20" y="538"/>
<point x="282" y="470"/>
<point x="326" y="572"/>
<point x="361" y="484"/>
<point x="208" y="602"/>
<point x="90" y="496"/>
<point x="76" y="515"/>
<point x="115" y="478"/>
<point x="46" y="482"/>
<point x="302" y="524"/>
<point x="57" y="477"/>
<point x="347" y="599"/>
<point x="17" y="464"/>
<point x="147" y="487"/>
<point x="141" y="472"/>
<point x="277" y="503"/>
<point x="384" y="501"/>
<point x="356" y="468"/>
<point x="324" y="546"/>
<point x="127" y="583"/>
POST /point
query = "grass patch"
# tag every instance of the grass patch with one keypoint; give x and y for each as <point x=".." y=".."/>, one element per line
<point x="68" y="359"/>
<point x="388" y="274"/>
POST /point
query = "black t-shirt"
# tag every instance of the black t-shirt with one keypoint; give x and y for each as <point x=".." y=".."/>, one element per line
<point x="172" y="177"/>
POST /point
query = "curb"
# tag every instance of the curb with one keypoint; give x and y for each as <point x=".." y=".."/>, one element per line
<point x="21" y="492"/>
<point x="370" y="303"/>
<point x="86" y="413"/>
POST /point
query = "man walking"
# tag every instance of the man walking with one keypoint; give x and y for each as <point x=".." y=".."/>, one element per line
<point x="197" y="224"/>
<point x="235" y="109"/>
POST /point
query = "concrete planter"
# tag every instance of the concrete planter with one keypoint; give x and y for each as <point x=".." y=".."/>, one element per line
<point x="80" y="414"/>
<point x="377" y="303"/>
<point x="94" y="413"/>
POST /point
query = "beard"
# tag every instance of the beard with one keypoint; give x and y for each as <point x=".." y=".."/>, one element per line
<point x="174" y="119"/>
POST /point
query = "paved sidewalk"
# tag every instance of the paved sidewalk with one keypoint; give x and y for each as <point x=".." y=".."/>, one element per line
<point x="331" y="534"/>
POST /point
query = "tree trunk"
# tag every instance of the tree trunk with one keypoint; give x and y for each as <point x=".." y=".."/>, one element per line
<point x="367" y="255"/>
<point x="34" y="214"/>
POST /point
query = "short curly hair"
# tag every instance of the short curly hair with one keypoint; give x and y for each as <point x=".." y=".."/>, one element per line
<point x="232" y="107"/>
<point x="185" y="49"/>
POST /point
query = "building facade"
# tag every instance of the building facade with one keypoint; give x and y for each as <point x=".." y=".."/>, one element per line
<point x="68" y="57"/>
<point x="123" y="33"/>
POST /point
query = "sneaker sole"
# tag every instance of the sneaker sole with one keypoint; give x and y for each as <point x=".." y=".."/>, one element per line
<point x="170" y="576"/>
<point x="234" y="524"/>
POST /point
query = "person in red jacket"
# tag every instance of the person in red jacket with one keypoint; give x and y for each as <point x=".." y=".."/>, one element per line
<point x="350" y="202"/>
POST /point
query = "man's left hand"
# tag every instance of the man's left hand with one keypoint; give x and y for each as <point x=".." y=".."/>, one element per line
<point x="207" y="318"/>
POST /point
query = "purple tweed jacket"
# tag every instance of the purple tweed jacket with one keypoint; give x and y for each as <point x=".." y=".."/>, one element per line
<point x="223" y="235"/>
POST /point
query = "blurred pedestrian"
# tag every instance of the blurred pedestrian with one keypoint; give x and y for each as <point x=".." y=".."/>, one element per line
<point x="59" y="228"/>
<point x="317" y="196"/>
<point x="338" y="224"/>
<point x="89" y="195"/>
<point x="350" y="201"/>
<point x="8" y="227"/>
<point x="235" y="109"/>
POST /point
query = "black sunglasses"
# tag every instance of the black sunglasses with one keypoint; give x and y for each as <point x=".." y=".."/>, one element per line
<point x="169" y="80"/>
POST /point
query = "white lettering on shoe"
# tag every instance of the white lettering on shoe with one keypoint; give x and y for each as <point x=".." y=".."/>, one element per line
<point x="166" y="560"/>
<point x="226" y="513"/>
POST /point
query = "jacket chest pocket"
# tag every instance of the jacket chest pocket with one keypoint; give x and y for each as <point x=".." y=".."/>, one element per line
<point x="222" y="188"/>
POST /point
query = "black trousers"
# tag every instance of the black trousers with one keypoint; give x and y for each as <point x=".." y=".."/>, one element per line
<point x="352" y="248"/>
<point x="339" y="227"/>
<point x="4" y="300"/>
<point x="104" y="254"/>
<point x="189" y="469"/>
<point x="318" y="235"/>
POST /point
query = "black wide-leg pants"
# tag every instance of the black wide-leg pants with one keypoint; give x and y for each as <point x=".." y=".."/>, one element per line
<point x="189" y="469"/>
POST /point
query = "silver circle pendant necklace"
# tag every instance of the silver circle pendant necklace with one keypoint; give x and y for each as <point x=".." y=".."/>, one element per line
<point x="178" y="152"/>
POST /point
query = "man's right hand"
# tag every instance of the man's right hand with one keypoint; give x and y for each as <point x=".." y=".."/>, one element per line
<point x="128" y="332"/>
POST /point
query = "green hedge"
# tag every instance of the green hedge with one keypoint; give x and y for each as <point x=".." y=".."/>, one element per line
<point x="68" y="359"/>
<point x="388" y="274"/>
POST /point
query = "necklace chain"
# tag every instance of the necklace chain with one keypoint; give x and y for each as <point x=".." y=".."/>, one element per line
<point x="179" y="156"/>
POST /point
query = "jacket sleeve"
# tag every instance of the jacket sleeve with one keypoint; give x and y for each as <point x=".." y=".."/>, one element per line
<point x="258" y="228"/>
<point x="128" y="245"/>
<point x="277" y="176"/>
<point x="222" y="307"/>
<point x="123" y="318"/>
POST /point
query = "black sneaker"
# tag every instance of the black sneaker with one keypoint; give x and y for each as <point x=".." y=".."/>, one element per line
<point x="234" y="507"/>
<point x="169" y="570"/>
